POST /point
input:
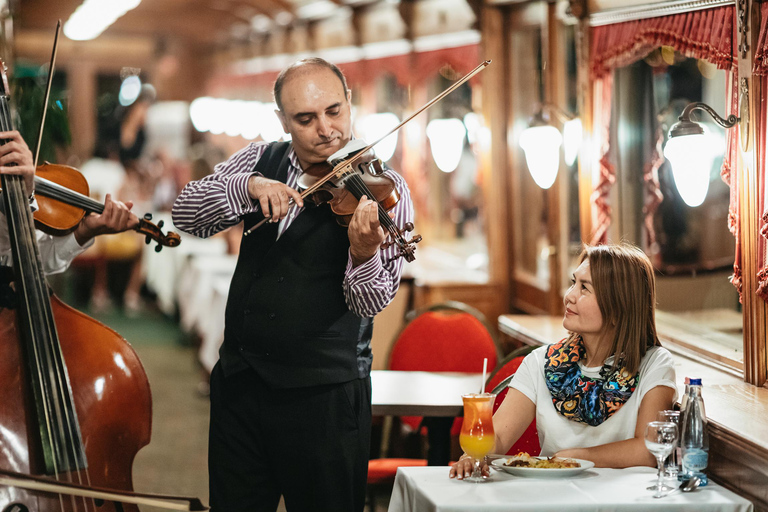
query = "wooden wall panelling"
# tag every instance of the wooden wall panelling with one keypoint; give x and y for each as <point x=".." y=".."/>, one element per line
<point x="494" y="163"/>
<point x="755" y="311"/>
<point x="483" y="297"/>
<point x="739" y="465"/>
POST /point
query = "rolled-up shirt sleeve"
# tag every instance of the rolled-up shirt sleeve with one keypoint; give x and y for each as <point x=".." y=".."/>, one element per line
<point x="56" y="252"/>
<point x="371" y="286"/>
<point x="216" y="202"/>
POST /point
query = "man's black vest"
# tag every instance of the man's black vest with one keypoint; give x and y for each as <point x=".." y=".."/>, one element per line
<point x="286" y="315"/>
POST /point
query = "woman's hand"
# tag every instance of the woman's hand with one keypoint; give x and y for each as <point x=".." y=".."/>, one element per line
<point x="464" y="467"/>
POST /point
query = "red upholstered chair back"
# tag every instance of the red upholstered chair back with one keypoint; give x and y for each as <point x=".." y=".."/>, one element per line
<point x="508" y="366"/>
<point x="446" y="337"/>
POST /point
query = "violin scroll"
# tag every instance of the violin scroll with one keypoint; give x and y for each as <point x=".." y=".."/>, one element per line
<point x="154" y="232"/>
<point x="407" y="247"/>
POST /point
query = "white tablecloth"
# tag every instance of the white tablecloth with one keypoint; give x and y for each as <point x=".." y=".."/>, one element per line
<point x="428" y="489"/>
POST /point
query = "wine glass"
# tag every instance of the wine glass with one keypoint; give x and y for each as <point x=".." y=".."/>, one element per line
<point x="660" y="438"/>
<point x="477" y="437"/>
<point x="672" y="463"/>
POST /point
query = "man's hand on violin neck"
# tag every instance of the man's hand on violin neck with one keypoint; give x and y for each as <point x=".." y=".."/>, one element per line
<point x="273" y="197"/>
<point x="365" y="232"/>
<point x="116" y="218"/>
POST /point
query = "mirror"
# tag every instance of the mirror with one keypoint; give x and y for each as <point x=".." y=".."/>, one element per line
<point x="691" y="247"/>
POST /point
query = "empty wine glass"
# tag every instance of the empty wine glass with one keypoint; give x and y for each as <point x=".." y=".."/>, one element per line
<point x="672" y="463"/>
<point x="660" y="439"/>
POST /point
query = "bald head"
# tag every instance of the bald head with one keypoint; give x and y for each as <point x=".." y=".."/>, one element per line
<point x="301" y="68"/>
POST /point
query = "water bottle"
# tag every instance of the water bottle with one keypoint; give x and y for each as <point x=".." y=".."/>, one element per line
<point x="693" y="437"/>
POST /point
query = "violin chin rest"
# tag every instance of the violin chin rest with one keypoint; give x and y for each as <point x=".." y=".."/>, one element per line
<point x="352" y="147"/>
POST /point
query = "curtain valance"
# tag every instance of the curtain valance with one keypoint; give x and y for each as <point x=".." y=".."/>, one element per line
<point x="705" y="34"/>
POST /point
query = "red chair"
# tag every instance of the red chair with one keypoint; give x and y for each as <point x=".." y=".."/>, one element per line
<point x="446" y="337"/>
<point x="499" y="383"/>
<point x="508" y="366"/>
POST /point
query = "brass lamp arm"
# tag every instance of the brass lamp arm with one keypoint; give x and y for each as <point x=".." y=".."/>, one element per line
<point x="559" y="113"/>
<point x="725" y="123"/>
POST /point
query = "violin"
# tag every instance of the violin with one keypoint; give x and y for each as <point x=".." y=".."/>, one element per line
<point x="63" y="202"/>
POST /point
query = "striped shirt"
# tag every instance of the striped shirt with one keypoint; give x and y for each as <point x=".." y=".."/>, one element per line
<point x="219" y="200"/>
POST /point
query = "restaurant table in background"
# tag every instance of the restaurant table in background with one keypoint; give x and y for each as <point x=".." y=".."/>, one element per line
<point x="434" y="395"/>
<point x="428" y="489"/>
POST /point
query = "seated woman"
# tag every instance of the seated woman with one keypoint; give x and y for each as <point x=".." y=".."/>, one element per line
<point x="593" y="393"/>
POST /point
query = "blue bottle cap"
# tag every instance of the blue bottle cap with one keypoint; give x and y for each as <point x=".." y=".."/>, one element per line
<point x="695" y="382"/>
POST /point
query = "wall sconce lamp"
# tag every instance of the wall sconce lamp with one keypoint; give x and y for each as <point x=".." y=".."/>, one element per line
<point x="541" y="143"/>
<point x="691" y="151"/>
<point x="446" y="140"/>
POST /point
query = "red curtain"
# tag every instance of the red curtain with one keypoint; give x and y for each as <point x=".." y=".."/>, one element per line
<point x="760" y="69"/>
<point x="408" y="68"/>
<point x="704" y="34"/>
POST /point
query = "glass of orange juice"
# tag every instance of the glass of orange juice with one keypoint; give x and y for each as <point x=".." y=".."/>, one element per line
<point x="476" y="436"/>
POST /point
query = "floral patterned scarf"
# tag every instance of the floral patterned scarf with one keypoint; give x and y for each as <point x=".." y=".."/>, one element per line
<point x="581" y="398"/>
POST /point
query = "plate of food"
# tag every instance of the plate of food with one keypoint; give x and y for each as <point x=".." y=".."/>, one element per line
<point x="523" y="464"/>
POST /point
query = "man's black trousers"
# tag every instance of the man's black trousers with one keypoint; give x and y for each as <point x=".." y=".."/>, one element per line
<point x="308" y="444"/>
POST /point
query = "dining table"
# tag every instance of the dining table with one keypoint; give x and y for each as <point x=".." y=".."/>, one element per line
<point x="428" y="489"/>
<point x="436" y="396"/>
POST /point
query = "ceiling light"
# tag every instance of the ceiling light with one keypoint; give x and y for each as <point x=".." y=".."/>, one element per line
<point x="92" y="17"/>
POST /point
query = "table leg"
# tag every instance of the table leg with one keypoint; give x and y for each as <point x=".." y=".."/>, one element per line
<point x="439" y="438"/>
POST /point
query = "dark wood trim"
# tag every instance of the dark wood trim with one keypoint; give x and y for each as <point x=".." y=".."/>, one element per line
<point x="738" y="465"/>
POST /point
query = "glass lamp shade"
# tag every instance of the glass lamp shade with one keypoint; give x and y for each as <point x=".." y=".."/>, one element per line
<point x="571" y="140"/>
<point x="541" y="145"/>
<point x="446" y="139"/>
<point x="691" y="158"/>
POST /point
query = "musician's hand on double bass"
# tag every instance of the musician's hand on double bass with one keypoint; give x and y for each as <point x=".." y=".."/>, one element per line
<point x="116" y="218"/>
<point x="15" y="151"/>
<point x="365" y="232"/>
<point x="273" y="196"/>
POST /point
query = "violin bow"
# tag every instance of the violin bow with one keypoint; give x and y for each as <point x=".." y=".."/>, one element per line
<point x="47" y="91"/>
<point x="354" y="158"/>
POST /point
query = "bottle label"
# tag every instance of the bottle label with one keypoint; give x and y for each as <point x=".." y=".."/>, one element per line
<point x="694" y="459"/>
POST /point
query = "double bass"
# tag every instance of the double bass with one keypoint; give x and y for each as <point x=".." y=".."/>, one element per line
<point x="75" y="403"/>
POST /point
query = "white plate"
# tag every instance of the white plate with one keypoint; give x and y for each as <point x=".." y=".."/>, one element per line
<point x="543" y="472"/>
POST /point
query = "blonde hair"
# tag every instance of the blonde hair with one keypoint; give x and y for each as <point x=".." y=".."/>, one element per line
<point x="625" y="288"/>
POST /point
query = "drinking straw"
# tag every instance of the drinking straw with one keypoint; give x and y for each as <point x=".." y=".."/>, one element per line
<point x="485" y="368"/>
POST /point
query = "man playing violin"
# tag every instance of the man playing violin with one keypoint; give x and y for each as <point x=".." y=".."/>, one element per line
<point x="293" y="381"/>
<point x="56" y="252"/>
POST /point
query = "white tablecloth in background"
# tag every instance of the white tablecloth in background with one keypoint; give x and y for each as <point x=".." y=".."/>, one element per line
<point x="212" y="335"/>
<point x="163" y="270"/>
<point x="428" y="489"/>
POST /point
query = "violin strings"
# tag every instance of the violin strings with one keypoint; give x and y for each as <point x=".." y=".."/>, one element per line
<point x="358" y="187"/>
<point x="56" y="191"/>
<point x="44" y="353"/>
